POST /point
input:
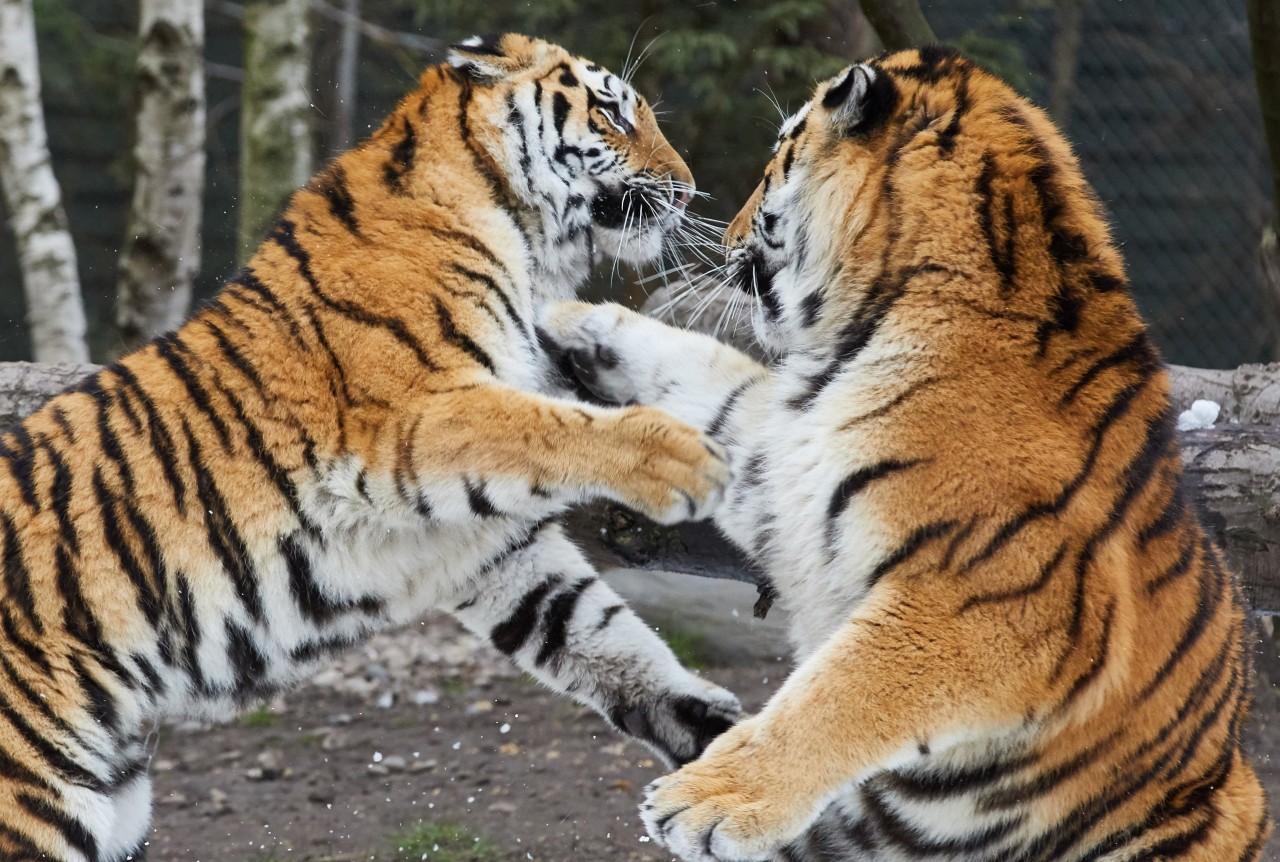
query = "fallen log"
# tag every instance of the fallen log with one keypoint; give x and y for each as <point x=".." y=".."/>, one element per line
<point x="1232" y="470"/>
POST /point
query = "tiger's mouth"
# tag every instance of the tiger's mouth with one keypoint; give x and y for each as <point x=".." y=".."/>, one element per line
<point x="635" y="208"/>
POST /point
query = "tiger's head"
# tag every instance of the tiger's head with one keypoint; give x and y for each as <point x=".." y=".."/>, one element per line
<point x="916" y="160"/>
<point x="575" y="143"/>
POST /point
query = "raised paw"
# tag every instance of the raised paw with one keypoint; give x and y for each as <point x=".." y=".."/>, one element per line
<point x="592" y="345"/>
<point x="679" y="725"/>
<point x="677" y="473"/>
<point x="734" y="804"/>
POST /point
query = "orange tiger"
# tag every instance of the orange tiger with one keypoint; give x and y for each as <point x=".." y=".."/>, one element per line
<point x="360" y="427"/>
<point x="1017" y="642"/>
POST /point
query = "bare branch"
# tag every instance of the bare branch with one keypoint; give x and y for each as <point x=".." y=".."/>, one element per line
<point x="900" y="23"/>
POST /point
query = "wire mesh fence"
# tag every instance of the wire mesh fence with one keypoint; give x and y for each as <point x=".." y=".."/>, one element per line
<point x="1163" y="111"/>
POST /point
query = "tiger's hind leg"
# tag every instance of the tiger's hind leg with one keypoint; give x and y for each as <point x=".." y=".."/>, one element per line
<point x="547" y="608"/>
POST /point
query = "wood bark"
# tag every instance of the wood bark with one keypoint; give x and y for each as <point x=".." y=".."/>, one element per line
<point x="275" y="133"/>
<point x="46" y="253"/>
<point x="345" y="78"/>
<point x="1233" y="474"/>
<point x="161" y="253"/>
<point x="899" y="23"/>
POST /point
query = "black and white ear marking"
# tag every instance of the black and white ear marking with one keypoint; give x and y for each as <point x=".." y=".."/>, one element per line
<point x="479" y="57"/>
<point x="861" y="99"/>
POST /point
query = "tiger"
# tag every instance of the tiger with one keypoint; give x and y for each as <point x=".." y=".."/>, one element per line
<point x="361" y="426"/>
<point x="960" y="474"/>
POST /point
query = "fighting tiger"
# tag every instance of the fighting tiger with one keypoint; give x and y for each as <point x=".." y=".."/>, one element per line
<point x="349" y="434"/>
<point x="1016" y="641"/>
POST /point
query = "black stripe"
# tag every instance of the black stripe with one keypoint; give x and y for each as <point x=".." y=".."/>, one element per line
<point x="247" y="284"/>
<point x="478" y="500"/>
<point x="17" y="578"/>
<point x="15" y="448"/>
<point x="947" y="137"/>
<point x="72" y="830"/>
<point x="332" y="186"/>
<point x="450" y="332"/>
<point x="161" y="440"/>
<point x="168" y="349"/>
<point x="245" y="657"/>
<point x="60" y="495"/>
<point x="920" y="537"/>
<point x="858" y="480"/>
<point x="606" y="617"/>
<point x="1170" y="517"/>
<point x="559" y="112"/>
<point x="492" y="286"/>
<point x="312" y="601"/>
<point x="556" y="620"/>
<point x="1138" y="350"/>
<point x="284" y="235"/>
<point x="1176" y="570"/>
<point x="224" y="538"/>
<point x="1115" y="411"/>
<point x="44" y="748"/>
<point x="900" y="832"/>
<point x="233" y="354"/>
<point x="114" y="536"/>
<point x="1096" y="664"/>
<point x="101" y="705"/>
<point x="278" y="475"/>
<point x="1206" y="608"/>
<point x="400" y="164"/>
<point x="191" y="633"/>
<point x="499" y="192"/>
<point x="726" y="408"/>
<point x="510" y="634"/>
<point x="1042" y="580"/>
<point x="1002" y="254"/>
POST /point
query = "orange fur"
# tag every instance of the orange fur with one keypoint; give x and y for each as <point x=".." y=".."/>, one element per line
<point x="1043" y="588"/>
<point x="379" y="326"/>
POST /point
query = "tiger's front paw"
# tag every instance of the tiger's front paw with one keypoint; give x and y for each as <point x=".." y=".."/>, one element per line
<point x="592" y="345"/>
<point x="666" y="469"/>
<point x="737" y="803"/>
<point x="679" y="725"/>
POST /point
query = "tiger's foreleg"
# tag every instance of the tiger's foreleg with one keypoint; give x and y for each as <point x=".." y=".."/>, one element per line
<point x="548" y="610"/>
<point x="489" y="450"/>
<point x="895" y="681"/>
<point x="626" y="358"/>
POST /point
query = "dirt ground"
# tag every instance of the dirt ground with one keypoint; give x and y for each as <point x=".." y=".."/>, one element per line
<point x="497" y="771"/>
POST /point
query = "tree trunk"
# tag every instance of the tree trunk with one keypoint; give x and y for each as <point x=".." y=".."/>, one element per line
<point x="345" y="79"/>
<point x="1264" y="34"/>
<point x="1066" y="52"/>
<point x="900" y="23"/>
<point x="161" y="253"/>
<point x="275" y="134"/>
<point x="46" y="253"/>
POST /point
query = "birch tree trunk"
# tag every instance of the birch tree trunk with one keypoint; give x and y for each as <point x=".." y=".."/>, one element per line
<point x="275" y="135"/>
<point x="345" y="78"/>
<point x="161" y="253"/>
<point x="46" y="254"/>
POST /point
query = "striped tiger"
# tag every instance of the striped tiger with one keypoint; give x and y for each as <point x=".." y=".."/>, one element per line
<point x="361" y="426"/>
<point x="1016" y="641"/>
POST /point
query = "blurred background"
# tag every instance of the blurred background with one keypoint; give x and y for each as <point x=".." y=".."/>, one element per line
<point x="1158" y="96"/>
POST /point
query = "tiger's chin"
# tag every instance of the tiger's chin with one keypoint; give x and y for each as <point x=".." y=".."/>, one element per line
<point x="636" y="247"/>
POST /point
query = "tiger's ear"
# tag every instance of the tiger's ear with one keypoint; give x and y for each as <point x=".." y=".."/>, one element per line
<point x="491" y="57"/>
<point x="860" y="99"/>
